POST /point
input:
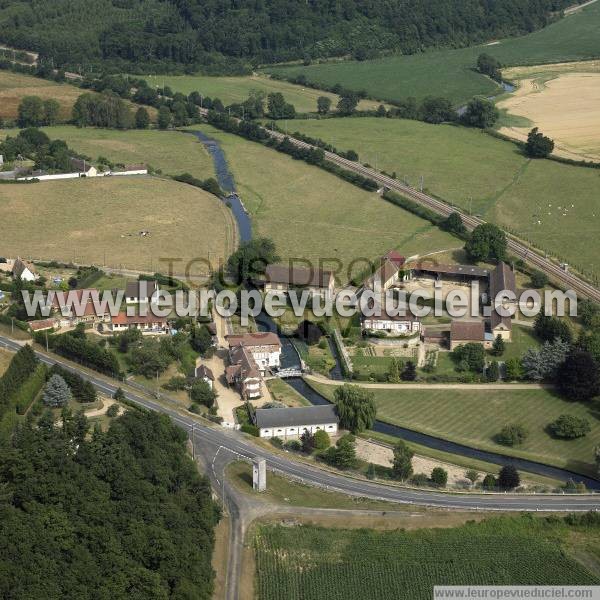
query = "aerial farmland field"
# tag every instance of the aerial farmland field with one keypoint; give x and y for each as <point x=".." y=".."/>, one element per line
<point x="15" y="86"/>
<point x="237" y="89"/>
<point x="563" y="100"/>
<point x="555" y="206"/>
<point x="98" y="221"/>
<point x="309" y="562"/>
<point x="450" y="73"/>
<point x="312" y="214"/>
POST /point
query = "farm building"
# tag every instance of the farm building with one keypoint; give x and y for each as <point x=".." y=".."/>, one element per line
<point x="43" y="325"/>
<point x="148" y="324"/>
<point x="141" y="292"/>
<point x="388" y="274"/>
<point x="283" y="278"/>
<point x="83" y="167"/>
<point x="458" y="273"/>
<point x="502" y="280"/>
<point x="392" y="325"/>
<point x="23" y="270"/>
<point x="469" y="332"/>
<point x="204" y="373"/>
<point x="80" y="306"/>
<point x="293" y="422"/>
<point x="264" y="347"/>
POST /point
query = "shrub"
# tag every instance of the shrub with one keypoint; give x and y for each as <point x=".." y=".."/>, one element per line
<point x="112" y="410"/>
<point x="512" y="435"/>
<point x="489" y="482"/>
<point x="439" y="476"/>
<point x="321" y="440"/>
<point x="509" y="478"/>
<point x="277" y="442"/>
<point x="419" y="479"/>
<point x="371" y="471"/>
<point x="570" y="427"/>
<point x="293" y="445"/>
<point x="251" y="429"/>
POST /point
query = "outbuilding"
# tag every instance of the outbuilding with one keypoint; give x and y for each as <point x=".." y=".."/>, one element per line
<point x="293" y="422"/>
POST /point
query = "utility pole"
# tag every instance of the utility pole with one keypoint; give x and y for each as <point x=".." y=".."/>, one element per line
<point x="47" y="349"/>
<point x="421" y="183"/>
<point x="12" y="325"/>
<point x="193" y="435"/>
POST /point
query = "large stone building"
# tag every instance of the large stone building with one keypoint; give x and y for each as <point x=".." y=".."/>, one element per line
<point x="243" y="373"/>
<point x="264" y="347"/>
<point x="283" y="278"/>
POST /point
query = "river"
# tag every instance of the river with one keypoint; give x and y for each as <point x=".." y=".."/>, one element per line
<point x="290" y="358"/>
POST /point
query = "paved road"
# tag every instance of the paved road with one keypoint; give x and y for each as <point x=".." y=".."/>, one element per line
<point x="238" y="444"/>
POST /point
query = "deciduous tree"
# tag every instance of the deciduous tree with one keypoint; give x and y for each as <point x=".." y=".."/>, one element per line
<point x="355" y="407"/>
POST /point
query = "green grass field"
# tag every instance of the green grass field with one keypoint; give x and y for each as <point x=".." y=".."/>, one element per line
<point x="450" y="73"/>
<point x="97" y="221"/>
<point x="172" y="152"/>
<point x="488" y="176"/>
<point x="236" y="89"/>
<point x="312" y="214"/>
<point x="474" y="417"/>
<point x="309" y="563"/>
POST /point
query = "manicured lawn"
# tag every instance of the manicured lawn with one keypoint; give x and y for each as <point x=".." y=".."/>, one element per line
<point x="474" y="417"/>
<point x="555" y="206"/>
<point x="522" y="339"/>
<point x="282" y="392"/>
<point x="237" y="89"/>
<point x="450" y="73"/>
<point x="97" y="221"/>
<point x="309" y="562"/>
<point x="15" y="86"/>
<point x="314" y="215"/>
<point x="171" y="151"/>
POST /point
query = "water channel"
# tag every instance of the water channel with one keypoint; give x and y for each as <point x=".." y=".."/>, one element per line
<point x="290" y="358"/>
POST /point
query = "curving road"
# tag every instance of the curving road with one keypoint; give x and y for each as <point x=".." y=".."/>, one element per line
<point x="238" y="445"/>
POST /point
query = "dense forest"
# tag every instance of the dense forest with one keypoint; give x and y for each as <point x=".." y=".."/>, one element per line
<point x="231" y="36"/>
<point x="120" y="514"/>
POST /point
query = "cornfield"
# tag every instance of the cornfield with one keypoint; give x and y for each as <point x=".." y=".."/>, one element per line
<point x="306" y="562"/>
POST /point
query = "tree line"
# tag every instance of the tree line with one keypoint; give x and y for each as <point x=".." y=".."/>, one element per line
<point x="157" y="36"/>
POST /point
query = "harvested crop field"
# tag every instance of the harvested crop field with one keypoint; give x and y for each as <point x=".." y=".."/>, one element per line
<point x="563" y="100"/>
<point x="98" y="221"/>
<point x="15" y="86"/>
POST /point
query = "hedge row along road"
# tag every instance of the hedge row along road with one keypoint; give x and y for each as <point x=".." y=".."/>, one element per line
<point x="568" y="280"/>
<point x="237" y="445"/>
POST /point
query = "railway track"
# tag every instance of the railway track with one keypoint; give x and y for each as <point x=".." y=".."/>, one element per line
<point x="568" y="280"/>
<point x="564" y="278"/>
